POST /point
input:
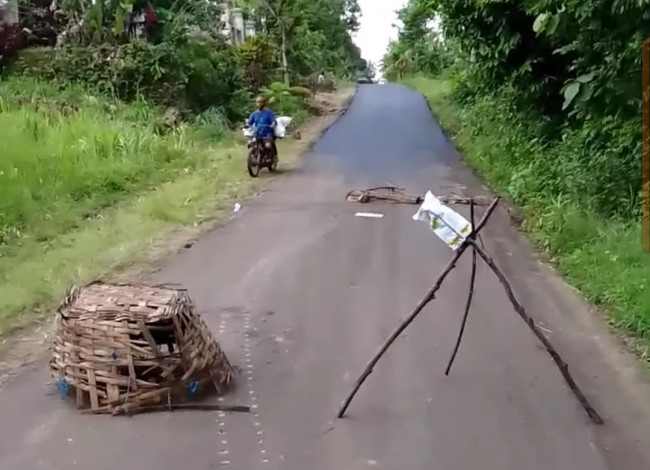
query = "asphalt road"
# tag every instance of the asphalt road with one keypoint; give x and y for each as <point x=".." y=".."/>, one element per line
<point x="301" y="293"/>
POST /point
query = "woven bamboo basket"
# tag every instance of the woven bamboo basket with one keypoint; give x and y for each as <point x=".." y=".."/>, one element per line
<point x="123" y="347"/>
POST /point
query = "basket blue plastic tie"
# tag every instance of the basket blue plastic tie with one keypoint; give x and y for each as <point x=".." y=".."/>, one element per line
<point x="193" y="386"/>
<point x="63" y="387"/>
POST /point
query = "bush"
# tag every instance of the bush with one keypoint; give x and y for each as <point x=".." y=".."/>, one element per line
<point x="211" y="124"/>
<point x="301" y="92"/>
<point x="193" y="74"/>
<point x="257" y="57"/>
<point x="595" y="165"/>
<point x="284" y="100"/>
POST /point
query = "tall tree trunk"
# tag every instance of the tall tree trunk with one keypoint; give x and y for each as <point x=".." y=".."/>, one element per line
<point x="285" y="64"/>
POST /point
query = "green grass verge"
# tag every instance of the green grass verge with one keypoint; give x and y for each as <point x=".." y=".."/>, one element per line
<point x="602" y="257"/>
<point x="89" y="187"/>
<point x="68" y="154"/>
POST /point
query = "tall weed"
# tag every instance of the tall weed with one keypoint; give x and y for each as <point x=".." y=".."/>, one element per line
<point x="66" y="155"/>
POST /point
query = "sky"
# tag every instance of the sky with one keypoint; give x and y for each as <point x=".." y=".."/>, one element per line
<point x="376" y="30"/>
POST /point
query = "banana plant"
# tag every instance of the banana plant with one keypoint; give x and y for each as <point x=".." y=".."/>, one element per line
<point x="107" y="15"/>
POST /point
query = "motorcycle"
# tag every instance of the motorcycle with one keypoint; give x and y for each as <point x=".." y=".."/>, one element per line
<point x="260" y="155"/>
<point x="261" y="152"/>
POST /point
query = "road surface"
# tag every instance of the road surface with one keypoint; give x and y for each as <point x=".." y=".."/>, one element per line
<point x="301" y="293"/>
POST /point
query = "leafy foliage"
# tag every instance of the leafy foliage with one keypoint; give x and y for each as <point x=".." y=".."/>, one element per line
<point x="563" y="71"/>
<point x="191" y="67"/>
<point x="557" y="54"/>
<point x="419" y="48"/>
<point x="192" y="74"/>
<point x="287" y="101"/>
<point x="315" y="33"/>
<point x="258" y="57"/>
<point x="187" y="63"/>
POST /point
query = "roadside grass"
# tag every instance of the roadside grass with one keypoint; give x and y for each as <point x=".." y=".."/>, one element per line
<point x="36" y="273"/>
<point x="88" y="188"/>
<point x="602" y="257"/>
<point x="131" y="234"/>
<point x="68" y="154"/>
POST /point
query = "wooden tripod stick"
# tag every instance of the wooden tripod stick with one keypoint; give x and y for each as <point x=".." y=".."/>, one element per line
<point x="564" y="368"/>
<point x="468" y="303"/>
<point x="425" y="300"/>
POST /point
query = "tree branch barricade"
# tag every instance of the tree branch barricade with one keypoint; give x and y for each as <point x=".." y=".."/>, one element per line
<point x="397" y="195"/>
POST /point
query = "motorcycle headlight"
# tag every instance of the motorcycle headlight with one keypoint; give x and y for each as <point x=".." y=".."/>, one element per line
<point x="267" y="145"/>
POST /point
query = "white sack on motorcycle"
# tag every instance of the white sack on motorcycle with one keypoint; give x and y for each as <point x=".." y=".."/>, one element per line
<point x="282" y="122"/>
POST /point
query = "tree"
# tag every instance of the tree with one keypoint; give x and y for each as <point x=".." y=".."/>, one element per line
<point x="283" y="15"/>
<point x="565" y="70"/>
<point x="309" y="34"/>
<point x="418" y="48"/>
<point x="556" y="53"/>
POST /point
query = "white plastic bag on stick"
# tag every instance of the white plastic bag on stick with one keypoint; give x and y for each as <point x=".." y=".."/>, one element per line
<point x="448" y="225"/>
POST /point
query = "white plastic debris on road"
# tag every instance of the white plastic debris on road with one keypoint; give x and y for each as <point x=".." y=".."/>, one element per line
<point x="370" y="215"/>
<point x="451" y="227"/>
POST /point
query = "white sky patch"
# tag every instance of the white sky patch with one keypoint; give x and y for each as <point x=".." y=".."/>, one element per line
<point x="377" y="20"/>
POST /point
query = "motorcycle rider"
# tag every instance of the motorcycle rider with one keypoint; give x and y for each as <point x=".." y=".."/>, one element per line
<point x="263" y="122"/>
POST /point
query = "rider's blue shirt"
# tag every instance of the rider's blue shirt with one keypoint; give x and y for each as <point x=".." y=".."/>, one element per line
<point x="262" y="121"/>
